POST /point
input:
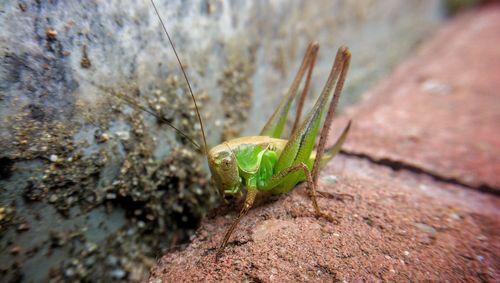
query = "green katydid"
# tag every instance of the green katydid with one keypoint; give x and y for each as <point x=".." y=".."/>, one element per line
<point x="268" y="163"/>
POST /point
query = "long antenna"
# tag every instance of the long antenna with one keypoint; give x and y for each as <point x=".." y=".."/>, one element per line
<point x="185" y="77"/>
<point x="138" y="106"/>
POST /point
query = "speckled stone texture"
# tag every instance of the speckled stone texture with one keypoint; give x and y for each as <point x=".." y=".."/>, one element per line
<point x="422" y="168"/>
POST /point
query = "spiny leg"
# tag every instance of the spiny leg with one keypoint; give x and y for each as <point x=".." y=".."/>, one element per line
<point x="303" y="95"/>
<point x="275" y="125"/>
<point x="328" y="154"/>
<point x="340" y="67"/>
<point x="281" y="176"/>
<point x="249" y="199"/>
<point x="299" y="147"/>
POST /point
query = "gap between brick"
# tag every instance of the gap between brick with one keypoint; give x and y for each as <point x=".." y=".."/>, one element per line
<point x="399" y="165"/>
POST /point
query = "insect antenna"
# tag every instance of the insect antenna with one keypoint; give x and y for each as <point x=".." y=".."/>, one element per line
<point x="185" y="77"/>
<point x="130" y="101"/>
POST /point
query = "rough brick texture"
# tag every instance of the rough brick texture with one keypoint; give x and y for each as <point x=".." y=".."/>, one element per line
<point x="439" y="112"/>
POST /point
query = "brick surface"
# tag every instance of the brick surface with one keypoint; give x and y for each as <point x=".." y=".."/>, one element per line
<point x="440" y="111"/>
<point x="399" y="227"/>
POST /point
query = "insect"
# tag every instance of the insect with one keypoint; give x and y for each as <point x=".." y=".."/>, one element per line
<point x="268" y="162"/>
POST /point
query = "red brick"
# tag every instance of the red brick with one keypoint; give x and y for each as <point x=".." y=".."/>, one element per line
<point x="440" y="110"/>
<point x="399" y="227"/>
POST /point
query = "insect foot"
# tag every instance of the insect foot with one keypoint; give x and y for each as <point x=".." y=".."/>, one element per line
<point x="218" y="255"/>
<point x="327" y="217"/>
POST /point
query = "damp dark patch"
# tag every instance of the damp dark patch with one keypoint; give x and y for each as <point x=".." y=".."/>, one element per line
<point x="6" y="168"/>
<point x="36" y="112"/>
<point x="32" y="192"/>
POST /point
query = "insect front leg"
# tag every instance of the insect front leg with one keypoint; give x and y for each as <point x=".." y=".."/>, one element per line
<point x="249" y="199"/>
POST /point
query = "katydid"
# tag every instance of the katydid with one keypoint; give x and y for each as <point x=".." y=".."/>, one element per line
<point x="268" y="162"/>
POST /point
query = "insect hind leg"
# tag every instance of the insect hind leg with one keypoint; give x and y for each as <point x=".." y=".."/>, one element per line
<point x="281" y="177"/>
<point x="275" y="125"/>
<point x="337" y="78"/>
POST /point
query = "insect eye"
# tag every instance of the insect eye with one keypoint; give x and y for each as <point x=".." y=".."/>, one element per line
<point x="225" y="163"/>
